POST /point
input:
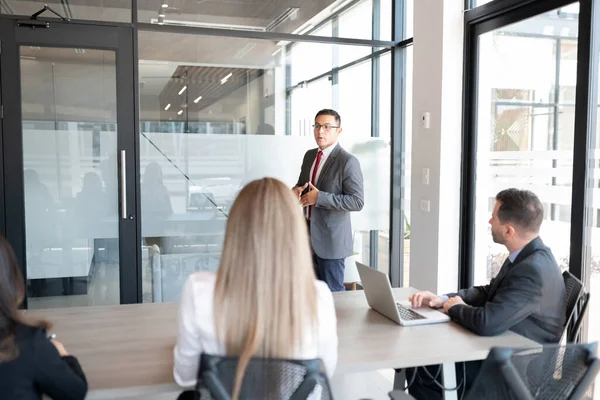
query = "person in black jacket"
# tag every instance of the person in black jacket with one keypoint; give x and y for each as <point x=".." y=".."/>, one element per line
<point x="31" y="364"/>
<point x="527" y="296"/>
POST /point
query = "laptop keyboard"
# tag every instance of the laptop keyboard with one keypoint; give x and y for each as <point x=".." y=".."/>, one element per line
<point x="407" y="314"/>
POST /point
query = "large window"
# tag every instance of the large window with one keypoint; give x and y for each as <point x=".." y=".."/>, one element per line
<point x="407" y="150"/>
<point x="525" y="128"/>
<point x="593" y="259"/>
<point x="226" y="92"/>
<point x="268" y="16"/>
<point x="351" y="90"/>
<point x="592" y="255"/>
<point x="213" y="116"/>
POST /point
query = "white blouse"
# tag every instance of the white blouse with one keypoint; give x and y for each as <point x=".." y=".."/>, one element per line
<point x="197" y="329"/>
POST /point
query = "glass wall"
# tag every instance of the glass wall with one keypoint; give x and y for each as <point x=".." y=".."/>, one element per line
<point x="592" y="255"/>
<point x="215" y="111"/>
<point x="213" y="114"/>
<point x="350" y="91"/>
<point x="98" y="10"/>
<point x="407" y="150"/>
<point x="525" y="128"/>
<point x="300" y="18"/>
<point x="70" y="176"/>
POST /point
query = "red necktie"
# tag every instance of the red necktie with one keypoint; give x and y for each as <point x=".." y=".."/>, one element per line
<point x="314" y="174"/>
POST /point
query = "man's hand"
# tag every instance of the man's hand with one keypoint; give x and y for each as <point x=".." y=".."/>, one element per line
<point x="310" y="198"/>
<point x="425" y="299"/>
<point x="451" y="302"/>
<point x="299" y="189"/>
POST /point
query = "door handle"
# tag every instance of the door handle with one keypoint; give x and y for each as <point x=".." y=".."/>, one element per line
<point x="123" y="184"/>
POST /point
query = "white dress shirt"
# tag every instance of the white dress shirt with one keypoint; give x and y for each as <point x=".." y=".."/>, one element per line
<point x="196" y="332"/>
<point x="324" y="157"/>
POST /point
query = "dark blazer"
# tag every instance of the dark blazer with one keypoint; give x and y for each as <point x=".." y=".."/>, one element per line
<point x="526" y="297"/>
<point x="341" y="191"/>
<point x="39" y="370"/>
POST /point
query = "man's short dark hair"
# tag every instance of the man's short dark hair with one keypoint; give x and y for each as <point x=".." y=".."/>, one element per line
<point x="521" y="208"/>
<point x="333" y="113"/>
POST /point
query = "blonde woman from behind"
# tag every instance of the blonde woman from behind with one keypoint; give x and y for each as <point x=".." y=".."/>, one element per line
<point x="264" y="300"/>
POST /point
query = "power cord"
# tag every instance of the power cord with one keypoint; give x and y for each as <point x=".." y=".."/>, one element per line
<point x="462" y="385"/>
<point x="464" y="389"/>
<point x="434" y="379"/>
<point x="410" y="381"/>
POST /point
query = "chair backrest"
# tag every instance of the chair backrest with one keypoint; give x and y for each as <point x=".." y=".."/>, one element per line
<point x="577" y="303"/>
<point x="546" y="372"/>
<point x="263" y="379"/>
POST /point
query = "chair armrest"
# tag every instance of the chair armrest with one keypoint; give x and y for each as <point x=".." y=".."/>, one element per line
<point x="400" y="395"/>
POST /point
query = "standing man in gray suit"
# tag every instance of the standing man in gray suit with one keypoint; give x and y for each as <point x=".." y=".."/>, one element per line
<point x="330" y="186"/>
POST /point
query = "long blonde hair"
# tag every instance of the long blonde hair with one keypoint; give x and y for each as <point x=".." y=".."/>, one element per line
<point x="265" y="295"/>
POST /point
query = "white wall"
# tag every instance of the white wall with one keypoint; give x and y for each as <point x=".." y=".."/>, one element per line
<point x="437" y="89"/>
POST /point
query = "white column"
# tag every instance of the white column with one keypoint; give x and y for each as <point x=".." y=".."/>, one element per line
<point x="437" y="90"/>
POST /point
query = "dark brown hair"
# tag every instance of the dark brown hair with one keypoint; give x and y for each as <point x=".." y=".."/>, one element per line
<point x="12" y="293"/>
<point x="521" y="208"/>
<point x="333" y="113"/>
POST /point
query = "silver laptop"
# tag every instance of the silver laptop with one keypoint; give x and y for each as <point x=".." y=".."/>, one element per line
<point x="381" y="299"/>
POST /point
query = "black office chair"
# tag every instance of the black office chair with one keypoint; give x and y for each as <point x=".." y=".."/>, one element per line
<point x="264" y="379"/>
<point x="545" y="373"/>
<point x="400" y="395"/>
<point x="577" y="303"/>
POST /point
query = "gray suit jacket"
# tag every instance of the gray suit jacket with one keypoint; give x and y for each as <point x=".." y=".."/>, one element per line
<point x="341" y="190"/>
<point x="526" y="297"/>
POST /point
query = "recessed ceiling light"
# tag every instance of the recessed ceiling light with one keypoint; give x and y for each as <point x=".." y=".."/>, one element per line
<point x="182" y="90"/>
<point x="162" y="15"/>
<point x="179" y="112"/>
<point x="198" y="99"/>
<point x="276" y="51"/>
<point x="165" y="5"/>
<point x="226" y="78"/>
<point x="168" y="106"/>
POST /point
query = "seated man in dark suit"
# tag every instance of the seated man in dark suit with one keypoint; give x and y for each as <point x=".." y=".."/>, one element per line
<point x="527" y="296"/>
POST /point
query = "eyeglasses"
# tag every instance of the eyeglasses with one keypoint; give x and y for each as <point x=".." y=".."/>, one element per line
<point x="325" y="127"/>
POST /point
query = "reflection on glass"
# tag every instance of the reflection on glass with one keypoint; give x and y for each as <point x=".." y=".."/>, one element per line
<point x="477" y="3"/>
<point x="315" y="95"/>
<point x="356" y="23"/>
<point x="217" y="119"/>
<point x="407" y="139"/>
<point x="272" y="16"/>
<point x="409" y="19"/>
<point x="525" y="128"/>
<point x="592" y="266"/>
<point x="98" y="10"/>
<point x="355" y="100"/>
<point x="70" y="176"/>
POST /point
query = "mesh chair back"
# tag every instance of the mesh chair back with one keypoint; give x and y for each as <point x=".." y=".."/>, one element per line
<point x="264" y="379"/>
<point x="577" y="302"/>
<point x="546" y="373"/>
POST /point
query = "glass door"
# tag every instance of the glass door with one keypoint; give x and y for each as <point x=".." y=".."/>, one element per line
<point x="526" y="127"/>
<point x="69" y="156"/>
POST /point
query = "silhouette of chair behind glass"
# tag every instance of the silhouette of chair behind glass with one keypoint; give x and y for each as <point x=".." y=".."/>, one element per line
<point x="577" y="303"/>
<point x="546" y="373"/>
<point x="264" y="379"/>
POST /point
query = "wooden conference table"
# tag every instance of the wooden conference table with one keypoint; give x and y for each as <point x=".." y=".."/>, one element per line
<point x="129" y="348"/>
